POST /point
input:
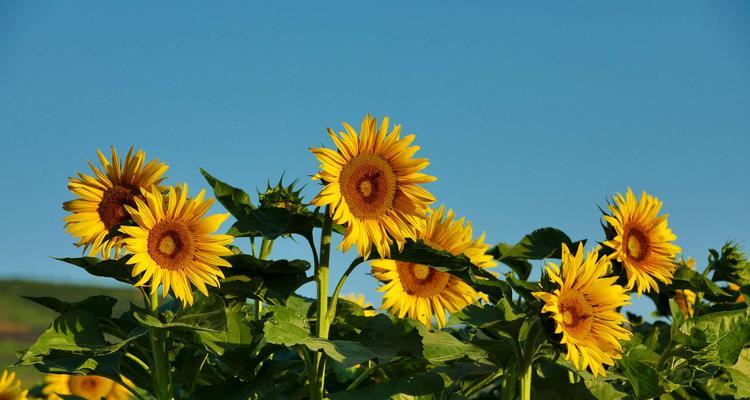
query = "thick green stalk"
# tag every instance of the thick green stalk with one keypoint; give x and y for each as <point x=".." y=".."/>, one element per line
<point x="525" y="383"/>
<point x="337" y="290"/>
<point x="265" y="252"/>
<point x="321" y="278"/>
<point x="161" y="378"/>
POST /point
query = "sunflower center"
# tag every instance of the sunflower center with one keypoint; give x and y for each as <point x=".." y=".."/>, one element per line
<point x="90" y="387"/>
<point x="577" y="314"/>
<point x="421" y="280"/>
<point x="170" y="244"/>
<point x="112" y="206"/>
<point x="368" y="185"/>
<point x="637" y="244"/>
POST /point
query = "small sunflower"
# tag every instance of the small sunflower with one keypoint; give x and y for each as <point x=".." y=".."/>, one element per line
<point x="10" y="387"/>
<point x="420" y="291"/>
<point x="642" y="241"/>
<point x="584" y="308"/>
<point x="173" y="244"/>
<point x="89" y="387"/>
<point x="359" y="299"/>
<point x="372" y="185"/>
<point x="100" y="206"/>
<point x="685" y="298"/>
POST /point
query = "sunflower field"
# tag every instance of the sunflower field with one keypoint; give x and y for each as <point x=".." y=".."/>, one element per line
<point x="221" y="317"/>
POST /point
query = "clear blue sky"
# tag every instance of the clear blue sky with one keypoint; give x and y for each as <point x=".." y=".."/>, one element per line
<point x="530" y="114"/>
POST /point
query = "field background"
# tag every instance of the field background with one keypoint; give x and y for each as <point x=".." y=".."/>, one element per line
<point x="21" y="320"/>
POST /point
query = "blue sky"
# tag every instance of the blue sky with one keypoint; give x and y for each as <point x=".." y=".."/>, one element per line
<point x="531" y="114"/>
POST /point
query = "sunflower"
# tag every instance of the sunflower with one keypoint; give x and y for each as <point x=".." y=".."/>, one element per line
<point x="584" y="308"/>
<point x="359" y="299"/>
<point x="736" y="288"/>
<point x="89" y="387"/>
<point x="420" y="291"/>
<point x="372" y="186"/>
<point x="100" y="206"/>
<point x="642" y="241"/>
<point x="10" y="387"/>
<point x="173" y="243"/>
<point x="685" y="298"/>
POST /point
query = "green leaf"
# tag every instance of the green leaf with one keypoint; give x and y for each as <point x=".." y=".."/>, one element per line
<point x="439" y="347"/>
<point x="720" y="336"/>
<point x="389" y="338"/>
<point x="538" y="245"/>
<point x="740" y="374"/>
<point x="274" y="222"/>
<point x="686" y="278"/>
<point x="268" y="281"/>
<point x="345" y="352"/>
<point x="285" y="326"/>
<point x="637" y="366"/>
<point x="101" y="306"/>
<point x="115" y="269"/>
<point x="423" y="384"/>
<point x="235" y="200"/>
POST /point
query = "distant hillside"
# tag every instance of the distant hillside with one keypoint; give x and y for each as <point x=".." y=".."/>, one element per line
<point x="21" y="321"/>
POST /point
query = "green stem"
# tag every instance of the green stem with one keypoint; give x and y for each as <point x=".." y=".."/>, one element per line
<point x="265" y="251"/>
<point x="362" y="376"/>
<point x="525" y="383"/>
<point x="533" y="336"/>
<point x="138" y="361"/>
<point x="339" y="286"/>
<point x="161" y="378"/>
<point x="483" y="383"/>
<point x="321" y="278"/>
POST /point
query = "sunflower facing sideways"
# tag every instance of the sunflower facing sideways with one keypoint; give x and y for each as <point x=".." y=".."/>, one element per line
<point x="422" y="292"/>
<point x="89" y="387"/>
<point x="584" y="309"/>
<point x="372" y="185"/>
<point x="174" y="245"/>
<point x="10" y="387"/>
<point x="642" y="241"/>
<point x="100" y="206"/>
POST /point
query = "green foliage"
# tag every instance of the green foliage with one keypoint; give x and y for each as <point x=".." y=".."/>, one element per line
<point x="254" y="337"/>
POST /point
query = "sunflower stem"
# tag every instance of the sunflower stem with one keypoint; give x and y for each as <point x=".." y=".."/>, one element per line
<point x="161" y="378"/>
<point x="525" y="383"/>
<point x="339" y="286"/>
<point x="321" y="278"/>
<point x="265" y="251"/>
<point x="533" y="336"/>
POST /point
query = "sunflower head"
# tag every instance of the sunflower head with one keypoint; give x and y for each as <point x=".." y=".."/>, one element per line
<point x="10" y="387"/>
<point x="173" y="243"/>
<point x="359" y="299"/>
<point x="89" y="387"/>
<point x="99" y="208"/>
<point x="642" y="241"/>
<point x="584" y="306"/>
<point x="420" y="291"/>
<point x="283" y="196"/>
<point x="372" y="186"/>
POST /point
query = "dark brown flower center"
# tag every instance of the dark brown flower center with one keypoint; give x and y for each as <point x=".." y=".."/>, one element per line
<point x="170" y="244"/>
<point x="368" y="185"/>
<point x="577" y="314"/>
<point x="112" y="206"/>
<point x="637" y="244"/>
<point x="421" y="280"/>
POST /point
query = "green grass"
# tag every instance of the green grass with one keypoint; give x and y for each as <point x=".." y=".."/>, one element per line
<point x="21" y="320"/>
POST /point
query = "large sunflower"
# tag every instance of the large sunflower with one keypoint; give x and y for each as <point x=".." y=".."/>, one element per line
<point x="372" y="186"/>
<point x="642" y="241"/>
<point x="173" y="244"/>
<point x="420" y="291"/>
<point x="89" y="387"/>
<point x="584" y="308"/>
<point x="10" y="387"/>
<point x="100" y="206"/>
